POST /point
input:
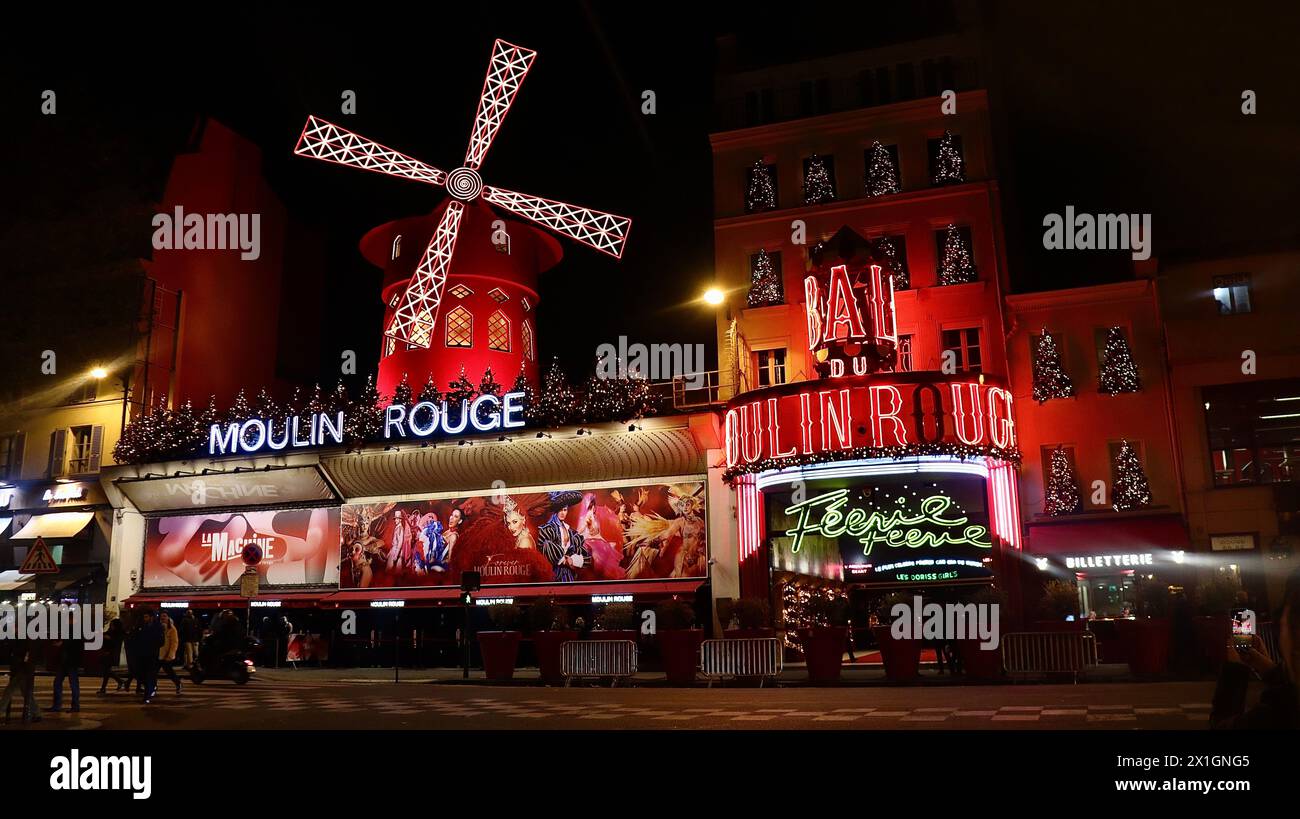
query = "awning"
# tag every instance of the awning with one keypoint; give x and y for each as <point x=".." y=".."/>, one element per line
<point x="12" y="580"/>
<point x="54" y="525"/>
<point x="239" y="488"/>
<point x="567" y="592"/>
<point x="1108" y="534"/>
<point x="226" y="599"/>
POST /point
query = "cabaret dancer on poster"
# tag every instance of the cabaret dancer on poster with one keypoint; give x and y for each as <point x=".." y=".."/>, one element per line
<point x="435" y="544"/>
<point x="603" y="537"/>
<point x="451" y="534"/>
<point x="399" y="555"/>
<point x="557" y="540"/>
<point x="517" y="525"/>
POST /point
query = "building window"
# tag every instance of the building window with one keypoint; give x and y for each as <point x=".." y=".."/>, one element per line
<point x="882" y="176"/>
<point x="527" y="337"/>
<point x="390" y="346"/>
<point x="86" y="392"/>
<point x="770" y="366"/>
<point x="906" y="74"/>
<point x="760" y="188"/>
<point x="1254" y="431"/>
<point x="1232" y="293"/>
<point x="397" y="247"/>
<point x="460" y="291"/>
<point x="75" y="450"/>
<point x="965" y="346"/>
<point x="947" y="160"/>
<point x="929" y="78"/>
<point x="904" y="364"/>
<point x="894" y="249"/>
<point x="1045" y="455"/>
<point x="460" y="328"/>
<point x="499" y="332"/>
<point x="884" y="92"/>
<point x="498" y="295"/>
<point x="866" y="88"/>
<point x="11" y="456"/>
<point x="766" y="288"/>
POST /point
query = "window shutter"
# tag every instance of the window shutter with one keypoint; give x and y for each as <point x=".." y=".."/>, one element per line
<point x="58" y="446"/>
<point x="96" y="444"/>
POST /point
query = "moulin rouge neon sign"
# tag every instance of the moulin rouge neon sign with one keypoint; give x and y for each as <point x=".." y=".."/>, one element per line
<point x="929" y="527"/>
<point x="856" y="413"/>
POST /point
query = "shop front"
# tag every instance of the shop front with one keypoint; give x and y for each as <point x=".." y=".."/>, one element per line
<point x="72" y="520"/>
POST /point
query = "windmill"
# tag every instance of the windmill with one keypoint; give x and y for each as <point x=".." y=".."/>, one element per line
<point x="417" y="308"/>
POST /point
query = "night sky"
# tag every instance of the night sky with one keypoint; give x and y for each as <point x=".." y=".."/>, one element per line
<point x="1103" y="106"/>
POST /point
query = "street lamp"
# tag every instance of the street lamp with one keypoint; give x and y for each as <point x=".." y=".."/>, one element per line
<point x="99" y="373"/>
<point x="714" y="296"/>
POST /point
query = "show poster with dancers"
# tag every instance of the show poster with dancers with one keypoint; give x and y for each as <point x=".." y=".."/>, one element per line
<point x="634" y="532"/>
<point x="299" y="548"/>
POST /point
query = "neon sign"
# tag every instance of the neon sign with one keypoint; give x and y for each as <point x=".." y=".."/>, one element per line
<point x="1109" y="561"/>
<point x="486" y="413"/>
<point x="847" y="418"/>
<point x="64" y="491"/>
<point x="851" y="323"/>
<point x="929" y="527"/>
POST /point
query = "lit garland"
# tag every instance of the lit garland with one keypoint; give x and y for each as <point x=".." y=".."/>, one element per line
<point x="956" y="266"/>
<point x="818" y="187"/>
<point x="949" y="167"/>
<point x="862" y="453"/>
<point x="765" y="288"/>
<point x="1119" y="373"/>
<point x="760" y="193"/>
<point x="1050" y="379"/>
<point x="1062" y="496"/>
<point x="882" y="172"/>
<point x="1131" y="489"/>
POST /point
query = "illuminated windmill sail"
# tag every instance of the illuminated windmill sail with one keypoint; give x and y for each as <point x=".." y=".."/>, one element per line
<point x="417" y="309"/>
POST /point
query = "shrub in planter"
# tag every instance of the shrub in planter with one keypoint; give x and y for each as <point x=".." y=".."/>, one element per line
<point x="550" y="627"/>
<point x="824" y="641"/>
<point x="978" y="662"/>
<point x="902" y="658"/>
<point x="1060" y="600"/>
<point x="616" y="621"/>
<point x="751" y="618"/>
<point x="726" y="609"/>
<point x="500" y="647"/>
<point x="679" y="644"/>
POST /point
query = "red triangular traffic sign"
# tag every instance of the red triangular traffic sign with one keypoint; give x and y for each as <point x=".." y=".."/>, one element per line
<point x="39" y="560"/>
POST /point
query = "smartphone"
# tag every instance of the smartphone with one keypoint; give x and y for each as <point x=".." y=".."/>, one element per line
<point x="1243" y="629"/>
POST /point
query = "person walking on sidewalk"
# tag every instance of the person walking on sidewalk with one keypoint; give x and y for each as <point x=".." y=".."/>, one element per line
<point x="149" y="643"/>
<point x="112" y="650"/>
<point x="22" y="680"/>
<point x="191" y="633"/>
<point x="167" y="653"/>
<point x="68" y="668"/>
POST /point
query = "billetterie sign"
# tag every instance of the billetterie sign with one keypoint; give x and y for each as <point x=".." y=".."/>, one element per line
<point x="426" y="419"/>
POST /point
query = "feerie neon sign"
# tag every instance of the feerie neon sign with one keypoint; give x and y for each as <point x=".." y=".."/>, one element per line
<point x="854" y="413"/>
<point x="486" y="413"/>
<point x="932" y="526"/>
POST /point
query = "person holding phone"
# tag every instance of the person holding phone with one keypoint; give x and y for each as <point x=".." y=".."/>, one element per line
<point x="1279" y="702"/>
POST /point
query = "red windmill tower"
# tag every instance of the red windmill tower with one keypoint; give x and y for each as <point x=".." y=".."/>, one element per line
<point x="469" y="301"/>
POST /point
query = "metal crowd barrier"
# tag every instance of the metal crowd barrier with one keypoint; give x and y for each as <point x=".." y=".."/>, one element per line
<point x="597" y="658"/>
<point x="1045" y="652"/>
<point x="760" y="657"/>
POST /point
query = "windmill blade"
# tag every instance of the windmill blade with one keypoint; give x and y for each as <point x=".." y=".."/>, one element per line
<point x="606" y="232"/>
<point x="327" y="141"/>
<point x="506" y="71"/>
<point x="417" y="310"/>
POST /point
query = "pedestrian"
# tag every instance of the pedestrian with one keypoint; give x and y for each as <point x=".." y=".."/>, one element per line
<point x="190" y="633"/>
<point x="22" y="680"/>
<point x="68" y="667"/>
<point x="149" y="643"/>
<point x="134" y="633"/>
<point x="111" y="652"/>
<point x="167" y="653"/>
<point x="1279" y="702"/>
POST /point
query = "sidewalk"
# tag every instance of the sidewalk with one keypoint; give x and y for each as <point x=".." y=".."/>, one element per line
<point x="794" y="675"/>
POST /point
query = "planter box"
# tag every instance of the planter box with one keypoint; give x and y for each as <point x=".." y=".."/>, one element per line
<point x="1147" y="641"/>
<point x="979" y="664"/>
<point x="547" y="645"/>
<point x="823" y="650"/>
<point x="499" y="649"/>
<point x="679" y="651"/>
<point x="902" y="657"/>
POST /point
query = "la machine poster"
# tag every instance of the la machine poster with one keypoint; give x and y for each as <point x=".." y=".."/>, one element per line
<point x="627" y="532"/>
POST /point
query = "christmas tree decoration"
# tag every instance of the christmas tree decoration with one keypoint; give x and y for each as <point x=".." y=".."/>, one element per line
<point x="402" y="393"/>
<point x="264" y="406"/>
<point x="760" y="192"/>
<point x="1050" y="379"/>
<point x="639" y="400"/>
<point x="524" y="385"/>
<point x="462" y="389"/>
<point x="949" y="167"/>
<point x="338" y="400"/>
<point x="765" y="287"/>
<point x="556" y="405"/>
<point x="1119" y="373"/>
<point x="241" y="410"/>
<point x="1062" y="496"/>
<point x="366" y="420"/>
<point x="488" y="384"/>
<point x="955" y="264"/>
<point x="1131" y="490"/>
<point x="897" y="262"/>
<point x="882" y="172"/>
<point x="818" y="186"/>
<point x="602" y="398"/>
<point x="318" y="403"/>
<point x="429" y="392"/>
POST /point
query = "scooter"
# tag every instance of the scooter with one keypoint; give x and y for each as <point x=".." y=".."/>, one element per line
<point x="235" y="665"/>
